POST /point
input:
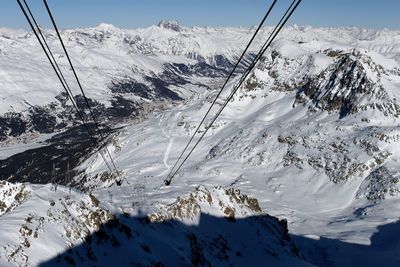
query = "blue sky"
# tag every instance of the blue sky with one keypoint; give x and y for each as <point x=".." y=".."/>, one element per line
<point x="135" y="13"/>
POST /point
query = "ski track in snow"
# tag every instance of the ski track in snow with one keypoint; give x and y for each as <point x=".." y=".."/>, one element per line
<point x="168" y="149"/>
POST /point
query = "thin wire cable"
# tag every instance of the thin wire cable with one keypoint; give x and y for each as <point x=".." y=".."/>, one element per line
<point x="79" y="83"/>
<point x="259" y="55"/>
<point x="272" y="36"/>
<point x="58" y="75"/>
<point x="223" y="86"/>
<point x="51" y="55"/>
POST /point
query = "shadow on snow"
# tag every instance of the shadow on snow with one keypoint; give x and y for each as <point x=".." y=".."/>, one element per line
<point x="213" y="241"/>
<point x="384" y="249"/>
<point x="253" y="241"/>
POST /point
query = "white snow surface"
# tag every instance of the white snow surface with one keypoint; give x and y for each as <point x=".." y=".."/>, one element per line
<point x="263" y="144"/>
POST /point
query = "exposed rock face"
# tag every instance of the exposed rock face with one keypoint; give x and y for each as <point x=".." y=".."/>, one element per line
<point x="11" y="196"/>
<point x="380" y="184"/>
<point x="47" y="219"/>
<point x="170" y="24"/>
<point x="345" y="87"/>
<point x="345" y="94"/>
<point x="218" y="201"/>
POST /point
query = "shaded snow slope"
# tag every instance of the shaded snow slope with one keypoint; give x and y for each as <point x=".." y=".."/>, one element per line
<point x="207" y="227"/>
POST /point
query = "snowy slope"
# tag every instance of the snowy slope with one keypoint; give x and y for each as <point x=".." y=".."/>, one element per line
<point x="106" y="52"/>
<point x="313" y="135"/>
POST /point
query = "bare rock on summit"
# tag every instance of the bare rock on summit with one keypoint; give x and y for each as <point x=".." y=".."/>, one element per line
<point x="170" y="24"/>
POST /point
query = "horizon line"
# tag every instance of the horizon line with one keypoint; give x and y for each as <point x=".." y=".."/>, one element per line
<point x="294" y="25"/>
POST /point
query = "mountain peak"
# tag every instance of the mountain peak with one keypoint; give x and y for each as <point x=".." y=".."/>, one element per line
<point x="107" y="27"/>
<point x="170" y="24"/>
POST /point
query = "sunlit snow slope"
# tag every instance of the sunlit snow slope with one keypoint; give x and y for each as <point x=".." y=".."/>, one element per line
<point x="313" y="136"/>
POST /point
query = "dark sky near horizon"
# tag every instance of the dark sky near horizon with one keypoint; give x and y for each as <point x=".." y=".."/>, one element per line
<point x="134" y="13"/>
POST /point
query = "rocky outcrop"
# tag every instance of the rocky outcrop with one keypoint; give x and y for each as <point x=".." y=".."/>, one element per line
<point x="380" y="184"/>
<point x="346" y="87"/>
<point x="220" y="226"/>
<point x="11" y="196"/>
<point x="170" y="25"/>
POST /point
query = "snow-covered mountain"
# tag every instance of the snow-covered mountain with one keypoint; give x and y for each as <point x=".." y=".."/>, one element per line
<point x="312" y="138"/>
